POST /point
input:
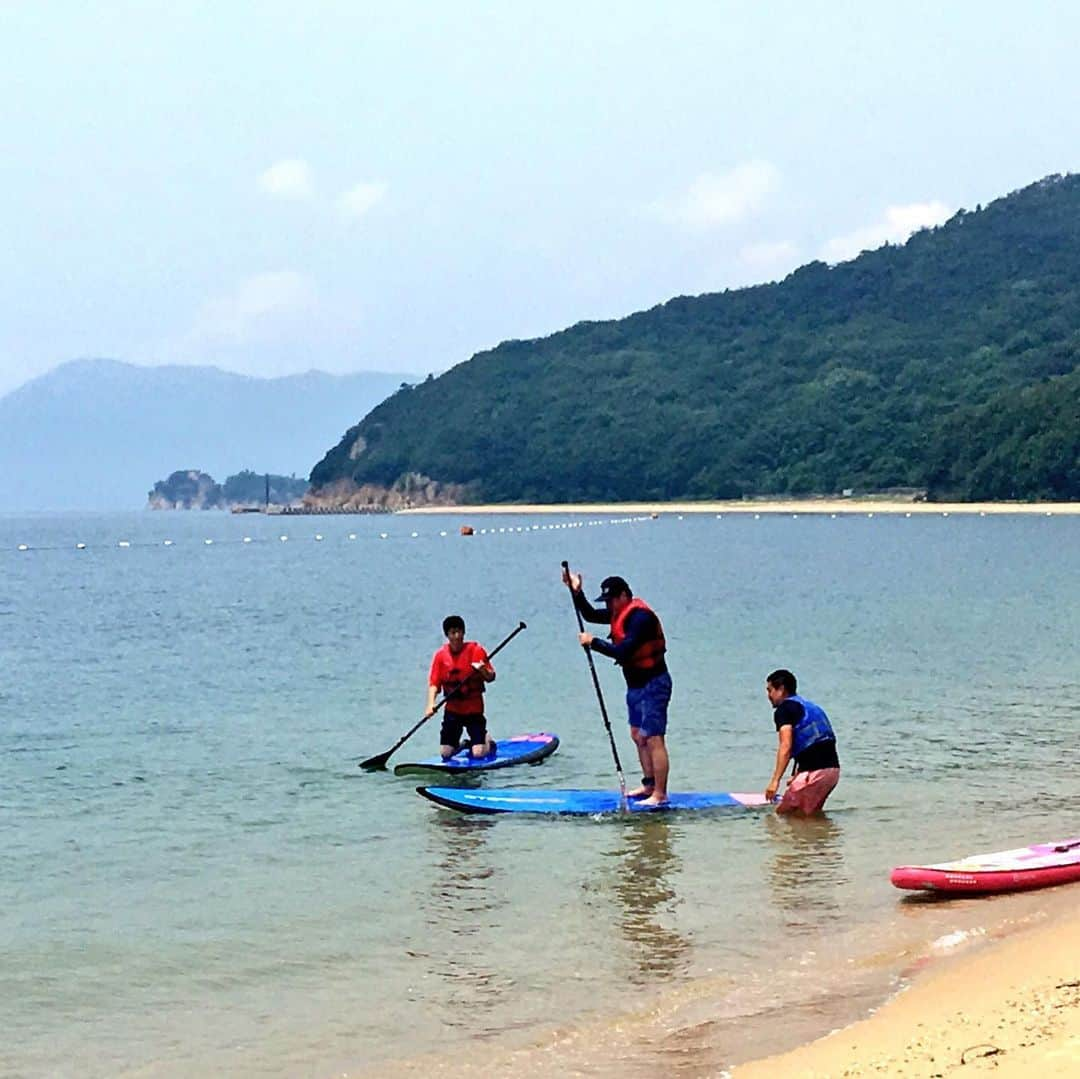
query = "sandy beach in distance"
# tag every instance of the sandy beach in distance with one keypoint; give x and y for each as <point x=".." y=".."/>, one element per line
<point x="788" y="505"/>
<point x="1011" y="1009"/>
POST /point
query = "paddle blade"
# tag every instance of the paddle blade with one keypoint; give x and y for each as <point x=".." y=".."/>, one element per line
<point x="377" y="763"/>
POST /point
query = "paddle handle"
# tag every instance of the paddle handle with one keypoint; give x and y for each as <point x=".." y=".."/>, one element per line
<point x="599" y="693"/>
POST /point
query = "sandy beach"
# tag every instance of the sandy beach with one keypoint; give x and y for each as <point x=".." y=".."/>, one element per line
<point x="999" y="995"/>
<point x="764" y="506"/>
<point x="1009" y="1009"/>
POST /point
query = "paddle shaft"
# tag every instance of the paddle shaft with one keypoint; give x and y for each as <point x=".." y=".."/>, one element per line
<point x="599" y="694"/>
<point x="379" y="761"/>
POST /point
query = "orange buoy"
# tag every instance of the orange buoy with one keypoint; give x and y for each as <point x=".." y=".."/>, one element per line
<point x="466" y="530"/>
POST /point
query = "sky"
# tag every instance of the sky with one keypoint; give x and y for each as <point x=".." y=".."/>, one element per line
<point x="274" y="187"/>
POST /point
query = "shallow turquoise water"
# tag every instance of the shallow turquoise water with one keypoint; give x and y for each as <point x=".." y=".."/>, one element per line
<point x="195" y="877"/>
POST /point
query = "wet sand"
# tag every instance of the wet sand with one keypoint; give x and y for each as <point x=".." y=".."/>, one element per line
<point x="997" y="994"/>
<point x="1009" y="1009"/>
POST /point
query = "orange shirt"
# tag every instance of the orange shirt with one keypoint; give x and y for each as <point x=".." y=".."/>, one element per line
<point x="448" y="671"/>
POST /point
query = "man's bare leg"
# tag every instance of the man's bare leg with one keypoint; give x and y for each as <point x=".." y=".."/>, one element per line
<point x="656" y="748"/>
<point x="645" y="757"/>
<point x="484" y="748"/>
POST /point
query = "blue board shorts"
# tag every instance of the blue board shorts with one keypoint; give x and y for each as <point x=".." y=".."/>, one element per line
<point x="648" y="705"/>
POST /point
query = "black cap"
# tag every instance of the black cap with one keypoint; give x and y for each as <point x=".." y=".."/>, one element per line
<point x="612" y="586"/>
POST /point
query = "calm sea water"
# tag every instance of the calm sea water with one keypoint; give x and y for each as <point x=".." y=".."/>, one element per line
<point x="195" y="877"/>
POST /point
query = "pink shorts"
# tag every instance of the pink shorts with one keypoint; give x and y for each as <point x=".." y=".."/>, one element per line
<point x="807" y="792"/>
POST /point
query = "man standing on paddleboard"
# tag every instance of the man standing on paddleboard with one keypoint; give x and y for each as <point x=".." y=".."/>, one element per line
<point x="804" y="733"/>
<point x="459" y="670"/>
<point x="638" y="646"/>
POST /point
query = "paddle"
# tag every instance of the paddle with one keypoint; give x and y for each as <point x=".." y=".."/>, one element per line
<point x="599" y="695"/>
<point x="378" y="762"/>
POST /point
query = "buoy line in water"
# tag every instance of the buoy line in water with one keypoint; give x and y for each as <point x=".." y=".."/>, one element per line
<point x="319" y="537"/>
<point x="466" y="531"/>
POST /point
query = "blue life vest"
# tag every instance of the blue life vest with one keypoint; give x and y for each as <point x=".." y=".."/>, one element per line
<point x="814" y="727"/>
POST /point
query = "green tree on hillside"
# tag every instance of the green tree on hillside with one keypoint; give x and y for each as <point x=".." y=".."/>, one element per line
<point x="948" y="363"/>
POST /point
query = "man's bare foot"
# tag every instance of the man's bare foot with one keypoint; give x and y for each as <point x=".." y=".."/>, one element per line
<point x="654" y="800"/>
<point x="639" y="792"/>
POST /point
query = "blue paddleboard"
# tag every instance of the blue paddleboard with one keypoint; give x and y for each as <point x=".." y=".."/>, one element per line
<point x="521" y="749"/>
<point x="576" y="803"/>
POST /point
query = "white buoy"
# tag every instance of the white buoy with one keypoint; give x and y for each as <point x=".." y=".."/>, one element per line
<point x="907" y="514"/>
<point x="124" y="543"/>
<point x="208" y="542"/>
<point x="945" y="514"/>
<point x="80" y="546"/>
<point x="383" y="535"/>
<point x="318" y="537"/>
<point x="414" y="534"/>
<point x="284" y="539"/>
<point x="757" y="516"/>
<point x="443" y="532"/>
<point x="23" y="547"/>
<point x="166" y="543"/>
<point x="352" y="535"/>
<point x="247" y="539"/>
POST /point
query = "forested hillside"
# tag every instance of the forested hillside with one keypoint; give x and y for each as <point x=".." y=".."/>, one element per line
<point x="948" y="363"/>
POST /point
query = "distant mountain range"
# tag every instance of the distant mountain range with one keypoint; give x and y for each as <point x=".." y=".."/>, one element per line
<point x="950" y="364"/>
<point x="95" y="434"/>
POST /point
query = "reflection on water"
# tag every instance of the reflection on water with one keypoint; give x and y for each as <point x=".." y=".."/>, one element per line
<point x="646" y="867"/>
<point x="434" y="928"/>
<point x="806" y="870"/>
<point x="460" y="979"/>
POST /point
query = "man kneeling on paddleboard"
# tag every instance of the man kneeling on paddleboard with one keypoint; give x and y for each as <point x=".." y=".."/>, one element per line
<point x="638" y="646"/>
<point x="459" y="670"/>
<point x="805" y="734"/>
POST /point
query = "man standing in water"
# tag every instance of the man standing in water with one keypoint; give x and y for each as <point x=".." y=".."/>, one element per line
<point x="805" y="734"/>
<point x="459" y="670"/>
<point x="638" y="646"/>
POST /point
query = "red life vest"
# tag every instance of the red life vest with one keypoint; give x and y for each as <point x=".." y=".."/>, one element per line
<point x="649" y="653"/>
<point x="448" y="672"/>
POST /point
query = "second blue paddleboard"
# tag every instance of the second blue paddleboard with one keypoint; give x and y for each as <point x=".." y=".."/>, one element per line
<point x="521" y="749"/>
<point x="577" y="803"/>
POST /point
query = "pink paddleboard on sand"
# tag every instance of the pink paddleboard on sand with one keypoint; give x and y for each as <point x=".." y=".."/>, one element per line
<point x="1037" y="866"/>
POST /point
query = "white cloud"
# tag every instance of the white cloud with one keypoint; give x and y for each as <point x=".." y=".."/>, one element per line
<point x="356" y="202"/>
<point x="288" y="179"/>
<point x="721" y="198"/>
<point x="769" y="256"/>
<point x="895" y="227"/>
<point x="259" y="306"/>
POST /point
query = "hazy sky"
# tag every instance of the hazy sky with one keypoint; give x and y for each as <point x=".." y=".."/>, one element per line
<point x="272" y="187"/>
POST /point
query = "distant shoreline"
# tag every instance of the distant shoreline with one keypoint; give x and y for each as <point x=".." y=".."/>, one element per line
<point x="761" y="506"/>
